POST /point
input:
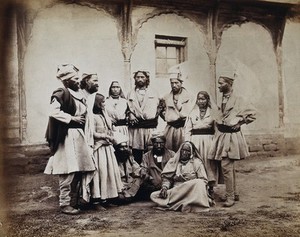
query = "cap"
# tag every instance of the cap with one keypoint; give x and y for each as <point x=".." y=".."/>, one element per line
<point x="179" y="71"/>
<point x="229" y="75"/>
<point x="85" y="75"/>
<point x="176" y="75"/>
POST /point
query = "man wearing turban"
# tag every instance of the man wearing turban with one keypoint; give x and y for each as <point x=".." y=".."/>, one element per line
<point x="129" y="169"/>
<point x="71" y="156"/>
<point x="153" y="163"/>
<point x="229" y="144"/>
<point x="177" y="105"/>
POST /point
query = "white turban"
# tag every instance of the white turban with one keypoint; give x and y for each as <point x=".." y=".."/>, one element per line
<point x="66" y="71"/>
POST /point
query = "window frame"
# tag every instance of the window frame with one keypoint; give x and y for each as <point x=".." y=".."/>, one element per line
<point x="164" y="41"/>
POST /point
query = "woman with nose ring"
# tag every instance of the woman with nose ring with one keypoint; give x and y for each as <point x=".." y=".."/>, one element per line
<point x="184" y="182"/>
<point x="199" y="129"/>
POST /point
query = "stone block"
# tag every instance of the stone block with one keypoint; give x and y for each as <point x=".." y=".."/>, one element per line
<point x="37" y="151"/>
<point x="255" y="148"/>
<point x="270" y="147"/>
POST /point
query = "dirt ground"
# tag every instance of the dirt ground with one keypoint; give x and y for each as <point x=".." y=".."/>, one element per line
<point x="269" y="206"/>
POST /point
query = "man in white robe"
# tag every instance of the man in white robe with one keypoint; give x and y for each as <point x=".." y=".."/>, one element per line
<point x="177" y="106"/>
<point x="143" y="104"/>
<point x="229" y="144"/>
<point x="71" y="156"/>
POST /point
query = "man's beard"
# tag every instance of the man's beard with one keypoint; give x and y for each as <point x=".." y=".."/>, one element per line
<point x="74" y="87"/>
<point x="92" y="89"/>
<point x="176" y="90"/>
<point x="122" y="156"/>
<point x="140" y="84"/>
<point x="158" y="152"/>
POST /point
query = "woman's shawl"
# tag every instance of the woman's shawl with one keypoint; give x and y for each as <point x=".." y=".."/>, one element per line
<point x="170" y="168"/>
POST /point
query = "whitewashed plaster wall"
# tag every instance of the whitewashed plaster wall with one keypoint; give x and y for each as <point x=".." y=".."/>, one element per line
<point x="83" y="36"/>
<point x="291" y="72"/>
<point x="248" y="51"/>
<point x="89" y="39"/>
<point x="197" y="65"/>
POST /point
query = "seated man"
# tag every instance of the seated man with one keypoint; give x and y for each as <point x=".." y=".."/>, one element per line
<point x="152" y="165"/>
<point x="129" y="170"/>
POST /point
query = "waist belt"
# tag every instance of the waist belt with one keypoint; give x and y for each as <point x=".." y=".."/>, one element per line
<point x="73" y="124"/>
<point x="177" y="123"/>
<point x="121" y="122"/>
<point x="226" y="129"/>
<point x="203" y="131"/>
<point x="142" y="123"/>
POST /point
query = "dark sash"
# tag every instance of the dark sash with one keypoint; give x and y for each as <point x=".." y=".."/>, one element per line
<point x="226" y="129"/>
<point x="121" y="122"/>
<point x="144" y="123"/>
<point x="203" y="131"/>
<point x="179" y="123"/>
<point x="74" y="124"/>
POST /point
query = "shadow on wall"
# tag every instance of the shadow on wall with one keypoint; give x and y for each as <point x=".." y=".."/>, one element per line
<point x="73" y="34"/>
<point x="247" y="50"/>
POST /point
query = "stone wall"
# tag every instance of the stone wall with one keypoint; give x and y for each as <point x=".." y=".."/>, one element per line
<point x="25" y="159"/>
<point x="32" y="159"/>
<point x="266" y="145"/>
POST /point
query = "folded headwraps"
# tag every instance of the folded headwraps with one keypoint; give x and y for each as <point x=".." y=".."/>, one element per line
<point x="66" y="71"/>
<point x="157" y="134"/>
<point x="120" y="138"/>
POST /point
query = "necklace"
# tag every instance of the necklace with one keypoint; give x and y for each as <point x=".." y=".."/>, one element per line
<point x="184" y="162"/>
<point x="202" y="113"/>
<point x="141" y="91"/>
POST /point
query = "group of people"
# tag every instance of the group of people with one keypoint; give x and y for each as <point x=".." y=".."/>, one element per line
<point x="108" y="150"/>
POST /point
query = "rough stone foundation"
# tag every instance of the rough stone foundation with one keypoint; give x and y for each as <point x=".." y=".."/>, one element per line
<point x="32" y="159"/>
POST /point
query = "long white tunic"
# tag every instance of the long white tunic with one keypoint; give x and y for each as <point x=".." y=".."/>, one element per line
<point x="73" y="155"/>
<point x="232" y="145"/>
<point x="175" y="136"/>
<point x="116" y="110"/>
<point x="139" y="138"/>
<point x="202" y="141"/>
<point x="107" y="181"/>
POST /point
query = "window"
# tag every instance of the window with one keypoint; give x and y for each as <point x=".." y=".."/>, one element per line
<point x="169" y="50"/>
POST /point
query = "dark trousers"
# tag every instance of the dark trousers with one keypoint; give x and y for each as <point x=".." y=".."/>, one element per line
<point x="145" y="191"/>
<point x="138" y="155"/>
<point x="229" y="177"/>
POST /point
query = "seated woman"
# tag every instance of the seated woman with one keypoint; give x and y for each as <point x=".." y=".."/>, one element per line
<point x="184" y="186"/>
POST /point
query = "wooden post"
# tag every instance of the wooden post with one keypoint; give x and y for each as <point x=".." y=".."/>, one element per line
<point x="127" y="42"/>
